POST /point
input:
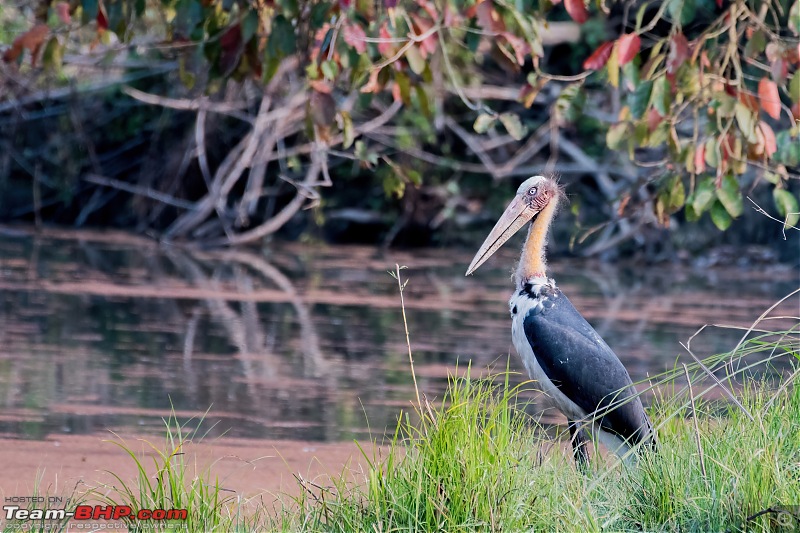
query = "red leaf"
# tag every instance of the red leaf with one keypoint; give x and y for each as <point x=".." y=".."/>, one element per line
<point x="654" y="118"/>
<point x="488" y="17"/>
<point x="385" y="46"/>
<point x="577" y="10"/>
<point x="770" y="99"/>
<point x="372" y="86"/>
<point x="354" y="36"/>
<point x="599" y="57"/>
<point x="429" y="8"/>
<point x="321" y="86"/>
<point x="770" y="144"/>
<point x="520" y="46"/>
<point x="678" y="53"/>
<point x="102" y="21"/>
<point x="779" y="69"/>
<point x="62" y="10"/>
<point x="748" y="100"/>
<point x="700" y="158"/>
<point x="627" y="47"/>
<point x="428" y="45"/>
<point x="231" y="44"/>
<point x="31" y="39"/>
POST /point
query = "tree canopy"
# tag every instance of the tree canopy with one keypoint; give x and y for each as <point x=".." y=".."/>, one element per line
<point x="695" y="100"/>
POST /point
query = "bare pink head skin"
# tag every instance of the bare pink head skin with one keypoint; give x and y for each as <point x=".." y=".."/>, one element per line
<point x="536" y="200"/>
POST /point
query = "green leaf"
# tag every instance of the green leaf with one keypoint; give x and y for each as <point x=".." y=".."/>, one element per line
<point x="756" y="44"/>
<point x="689" y="212"/>
<point x="660" y="97"/>
<point x="730" y="196"/>
<point x="612" y="67"/>
<point x="404" y="83"/>
<point x="787" y="206"/>
<point x="630" y="73"/>
<point x="682" y="11"/>
<point x="794" y="18"/>
<point x="290" y="8"/>
<point x="89" y="11"/>
<point x="712" y="152"/>
<point x="640" y="15"/>
<point x="677" y="195"/>
<point x="747" y="121"/>
<point x="639" y="98"/>
<point x="484" y="122"/>
<point x="249" y="25"/>
<point x="658" y="136"/>
<point x="513" y="125"/>
<point x="348" y="133"/>
<point x="569" y="104"/>
<point x="720" y="216"/>
<point x="703" y="196"/>
<point x="329" y="69"/>
<point x="725" y="104"/>
<point x="788" y="149"/>
<point x="423" y="101"/>
<point x="282" y="40"/>
<point x="794" y="87"/>
<point x="186" y="77"/>
<point x="617" y="135"/>
<point x="319" y="14"/>
<point x="415" y="60"/>
<point x="53" y="56"/>
<point x="188" y="15"/>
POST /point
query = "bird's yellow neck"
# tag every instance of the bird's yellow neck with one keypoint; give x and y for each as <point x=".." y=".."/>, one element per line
<point x="532" y="263"/>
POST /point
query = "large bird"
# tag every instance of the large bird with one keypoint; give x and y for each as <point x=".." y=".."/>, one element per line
<point x="573" y="366"/>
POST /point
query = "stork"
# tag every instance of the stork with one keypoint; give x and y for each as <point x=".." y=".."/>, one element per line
<point x="575" y="369"/>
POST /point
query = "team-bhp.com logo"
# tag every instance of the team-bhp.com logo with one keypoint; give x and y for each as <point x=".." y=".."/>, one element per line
<point x="15" y="511"/>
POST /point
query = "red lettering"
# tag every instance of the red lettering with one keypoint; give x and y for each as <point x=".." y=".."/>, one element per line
<point x="144" y="514"/>
<point x="177" y="514"/>
<point x="103" y="512"/>
<point x="121" y="511"/>
<point x="83" y="512"/>
<point x="159" y="514"/>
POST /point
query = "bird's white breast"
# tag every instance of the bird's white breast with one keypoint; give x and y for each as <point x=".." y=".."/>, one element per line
<point x="520" y="305"/>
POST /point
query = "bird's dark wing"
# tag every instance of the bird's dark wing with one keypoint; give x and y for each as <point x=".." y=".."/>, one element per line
<point x="583" y="367"/>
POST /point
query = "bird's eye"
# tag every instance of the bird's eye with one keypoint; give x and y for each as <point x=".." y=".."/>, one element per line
<point x="532" y="191"/>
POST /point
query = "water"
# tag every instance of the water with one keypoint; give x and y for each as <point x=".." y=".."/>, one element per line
<point x="108" y="332"/>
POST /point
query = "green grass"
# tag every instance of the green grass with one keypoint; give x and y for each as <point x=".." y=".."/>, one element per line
<point x="475" y="462"/>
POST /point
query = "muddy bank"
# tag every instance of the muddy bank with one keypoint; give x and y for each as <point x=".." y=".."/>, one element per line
<point x="72" y="464"/>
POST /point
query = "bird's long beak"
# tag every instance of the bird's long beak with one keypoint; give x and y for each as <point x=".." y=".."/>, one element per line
<point x="516" y="215"/>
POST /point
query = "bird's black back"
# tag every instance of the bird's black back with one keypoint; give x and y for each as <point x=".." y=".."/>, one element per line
<point x="582" y="365"/>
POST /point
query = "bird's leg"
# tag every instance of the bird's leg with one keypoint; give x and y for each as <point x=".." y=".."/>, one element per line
<point x="579" y="440"/>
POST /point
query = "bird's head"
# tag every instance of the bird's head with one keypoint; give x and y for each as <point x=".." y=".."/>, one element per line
<point x="534" y="195"/>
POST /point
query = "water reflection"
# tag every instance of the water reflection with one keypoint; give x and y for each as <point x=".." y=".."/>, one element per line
<point x="109" y="332"/>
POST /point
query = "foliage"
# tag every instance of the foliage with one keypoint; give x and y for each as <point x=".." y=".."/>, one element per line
<point x="703" y="96"/>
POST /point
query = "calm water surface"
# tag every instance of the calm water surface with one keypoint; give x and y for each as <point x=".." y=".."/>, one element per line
<point x="107" y="332"/>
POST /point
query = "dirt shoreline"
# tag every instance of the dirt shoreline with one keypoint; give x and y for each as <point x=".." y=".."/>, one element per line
<point x="64" y="465"/>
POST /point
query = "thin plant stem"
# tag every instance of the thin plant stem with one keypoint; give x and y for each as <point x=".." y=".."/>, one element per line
<point x="696" y="425"/>
<point x="402" y="286"/>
